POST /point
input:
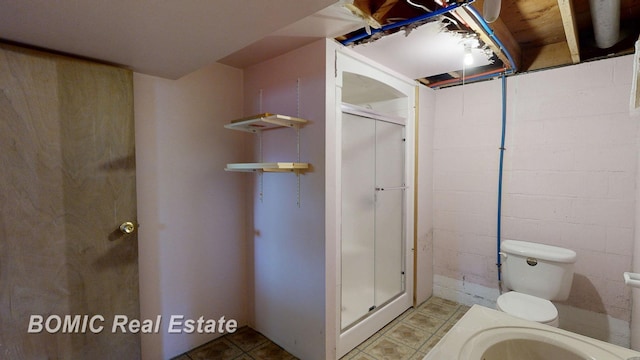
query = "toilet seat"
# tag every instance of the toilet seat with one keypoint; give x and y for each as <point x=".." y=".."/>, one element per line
<point x="528" y="307"/>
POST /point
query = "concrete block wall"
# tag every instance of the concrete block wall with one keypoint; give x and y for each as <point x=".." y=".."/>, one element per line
<point x="569" y="179"/>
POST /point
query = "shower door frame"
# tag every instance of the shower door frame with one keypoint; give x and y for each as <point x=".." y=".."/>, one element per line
<point x="348" y="61"/>
<point x="376" y="190"/>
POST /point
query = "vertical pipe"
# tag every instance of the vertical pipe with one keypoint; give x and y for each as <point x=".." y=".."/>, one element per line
<point x="502" y="149"/>
<point x="605" y="16"/>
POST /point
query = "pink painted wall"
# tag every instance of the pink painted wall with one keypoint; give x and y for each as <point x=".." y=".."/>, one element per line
<point x="192" y="216"/>
<point x="287" y="242"/>
<point x="569" y="180"/>
<point x="424" y="188"/>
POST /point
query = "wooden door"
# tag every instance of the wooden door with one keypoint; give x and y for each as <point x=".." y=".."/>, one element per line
<point x="67" y="182"/>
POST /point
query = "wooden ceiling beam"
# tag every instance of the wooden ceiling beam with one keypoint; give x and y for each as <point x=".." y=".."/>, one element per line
<point x="501" y="32"/>
<point x="362" y="9"/>
<point x="547" y="56"/>
<point x="381" y="12"/>
<point x="570" y="28"/>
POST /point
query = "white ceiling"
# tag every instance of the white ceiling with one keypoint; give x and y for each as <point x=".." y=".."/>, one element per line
<point x="171" y="38"/>
<point x="330" y="22"/>
<point x="425" y="51"/>
<point x="168" y="38"/>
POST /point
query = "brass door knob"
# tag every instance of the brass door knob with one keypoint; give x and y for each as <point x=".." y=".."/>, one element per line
<point x="127" y="227"/>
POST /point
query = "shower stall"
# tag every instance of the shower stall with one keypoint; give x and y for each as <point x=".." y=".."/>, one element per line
<point x="375" y="122"/>
<point x="373" y="197"/>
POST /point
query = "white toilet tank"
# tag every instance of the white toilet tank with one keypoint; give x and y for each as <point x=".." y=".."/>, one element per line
<point x="536" y="269"/>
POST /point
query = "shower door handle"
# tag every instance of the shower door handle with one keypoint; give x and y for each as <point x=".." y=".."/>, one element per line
<point x="392" y="188"/>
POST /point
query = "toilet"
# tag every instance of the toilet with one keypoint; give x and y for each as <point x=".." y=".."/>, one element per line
<point x="535" y="274"/>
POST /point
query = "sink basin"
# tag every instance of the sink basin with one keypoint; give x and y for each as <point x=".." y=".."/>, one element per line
<point x="487" y="334"/>
<point x="521" y="343"/>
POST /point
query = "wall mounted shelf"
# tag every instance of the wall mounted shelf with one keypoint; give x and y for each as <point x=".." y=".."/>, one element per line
<point x="257" y="124"/>
<point x="264" y="121"/>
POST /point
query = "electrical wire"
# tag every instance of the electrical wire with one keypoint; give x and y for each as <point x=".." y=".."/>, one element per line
<point x="419" y="6"/>
<point x="399" y="24"/>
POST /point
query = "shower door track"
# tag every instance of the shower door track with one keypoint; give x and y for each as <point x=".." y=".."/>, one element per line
<point x="372" y="114"/>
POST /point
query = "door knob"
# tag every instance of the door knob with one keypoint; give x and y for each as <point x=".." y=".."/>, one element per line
<point x="127" y="227"/>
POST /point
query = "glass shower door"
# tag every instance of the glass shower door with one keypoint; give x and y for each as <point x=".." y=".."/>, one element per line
<point x="389" y="208"/>
<point x="358" y="218"/>
<point x="372" y="246"/>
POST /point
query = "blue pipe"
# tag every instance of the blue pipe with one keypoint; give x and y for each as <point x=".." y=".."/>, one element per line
<point x="513" y="69"/>
<point x="502" y="149"/>
<point x="493" y="36"/>
<point x="398" y="24"/>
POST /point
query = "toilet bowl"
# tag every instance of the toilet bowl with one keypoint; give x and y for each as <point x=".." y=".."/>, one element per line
<point x="528" y="307"/>
<point x="535" y="274"/>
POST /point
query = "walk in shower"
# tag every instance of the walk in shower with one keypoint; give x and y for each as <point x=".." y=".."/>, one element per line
<point x="376" y="151"/>
<point x="373" y="196"/>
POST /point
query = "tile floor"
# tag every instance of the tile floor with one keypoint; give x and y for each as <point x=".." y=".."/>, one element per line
<point x="409" y="337"/>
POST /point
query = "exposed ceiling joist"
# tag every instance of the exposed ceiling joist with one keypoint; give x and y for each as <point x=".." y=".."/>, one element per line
<point x="382" y="11"/>
<point x="570" y="28"/>
<point x="547" y="56"/>
<point x="537" y="34"/>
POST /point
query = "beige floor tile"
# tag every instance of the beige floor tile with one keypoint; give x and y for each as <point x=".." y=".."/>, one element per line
<point x="369" y="341"/>
<point x="247" y="339"/>
<point x="440" y="309"/>
<point x="388" y="327"/>
<point x="270" y="351"/>
<point x="408" y="335"/>
<point x="446" y="327"/>
<point x="350" y="354"/>
<point x="407" y="313"/>
<point x="244" y="357"/>
<point x="427" y="346"/>
<point x="363" y="356"/>
<point x="439" y="300"/>
<point x="424" y="322"/>
<point x="388" y="349"/>
<point x="418" y="356"/>
<point x="219" y="349"/>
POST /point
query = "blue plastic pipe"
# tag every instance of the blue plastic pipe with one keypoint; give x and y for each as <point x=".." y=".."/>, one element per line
<point x="398" y="24"/>
<point x="513" y="69"/>
<point x="493" y="36"/>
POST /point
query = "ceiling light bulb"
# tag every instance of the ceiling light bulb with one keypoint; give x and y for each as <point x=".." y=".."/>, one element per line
<point x="468" y="57"/>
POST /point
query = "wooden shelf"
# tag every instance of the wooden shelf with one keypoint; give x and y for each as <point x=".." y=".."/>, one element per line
<point x="268" y="167"/>
<point x="264" y="121"/>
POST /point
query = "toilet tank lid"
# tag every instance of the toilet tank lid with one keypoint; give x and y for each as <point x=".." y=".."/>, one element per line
<point x="540" y="251"/>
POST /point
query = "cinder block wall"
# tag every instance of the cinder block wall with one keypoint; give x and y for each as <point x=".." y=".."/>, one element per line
<point x="569" y="180"/>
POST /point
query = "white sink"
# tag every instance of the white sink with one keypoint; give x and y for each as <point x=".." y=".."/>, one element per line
<point x="487" y="334"/>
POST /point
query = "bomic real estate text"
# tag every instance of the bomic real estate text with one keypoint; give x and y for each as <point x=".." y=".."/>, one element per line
<point x="177" y="324"/>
